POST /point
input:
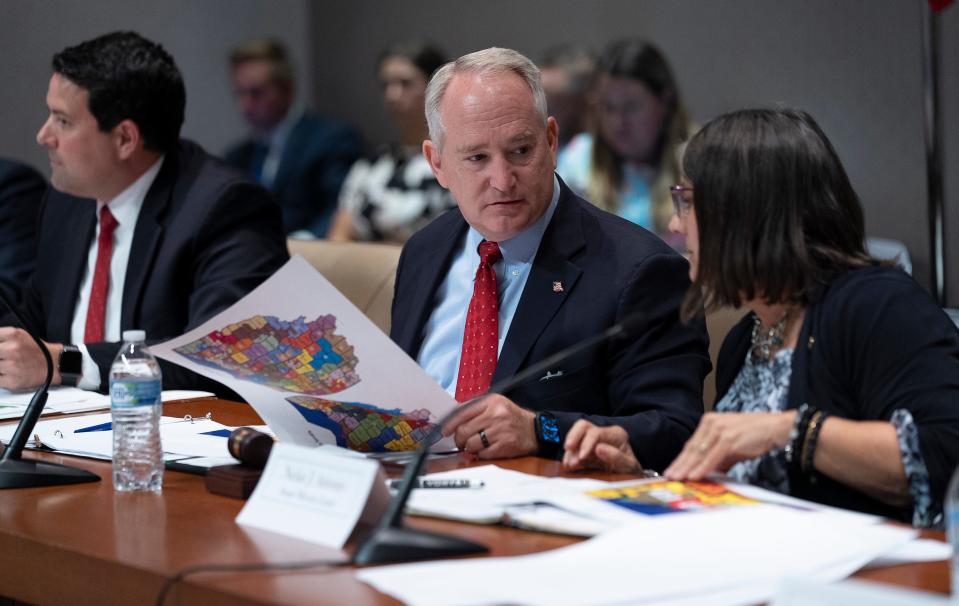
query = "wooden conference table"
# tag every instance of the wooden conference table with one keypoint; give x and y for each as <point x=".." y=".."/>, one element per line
<point x="84" y="544"/>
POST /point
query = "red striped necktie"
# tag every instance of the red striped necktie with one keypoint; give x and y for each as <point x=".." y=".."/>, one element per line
<point x="96" y="311"/>
<point x="481" y="337"/>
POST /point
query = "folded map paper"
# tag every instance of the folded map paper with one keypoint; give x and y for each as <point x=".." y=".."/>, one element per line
<point x="314" y="367"/>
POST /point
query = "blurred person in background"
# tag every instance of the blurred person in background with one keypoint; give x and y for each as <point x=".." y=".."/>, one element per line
<point x="628" y="160"/>
<point x="21" y="190"/>
<point x="567" y="72"/>
<point x="390" y="196"/>
<point x="300" y="156"/>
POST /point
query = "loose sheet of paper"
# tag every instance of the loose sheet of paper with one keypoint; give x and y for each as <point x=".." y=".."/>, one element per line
<point x="314" y="367"/>
<point x="741" y="551"/>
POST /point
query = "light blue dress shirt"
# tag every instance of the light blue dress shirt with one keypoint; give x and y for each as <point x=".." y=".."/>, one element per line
<point x="443" y="344"/>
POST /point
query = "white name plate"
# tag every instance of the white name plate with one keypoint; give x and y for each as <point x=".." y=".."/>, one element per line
<point x="315" y="495"/>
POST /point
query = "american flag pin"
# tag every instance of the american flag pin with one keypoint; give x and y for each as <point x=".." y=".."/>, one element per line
<point x="557" y="287"/>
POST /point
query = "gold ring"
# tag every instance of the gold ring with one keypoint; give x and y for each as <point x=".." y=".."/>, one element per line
<point x="483" y="438"/>
<point x="703" y="447"/>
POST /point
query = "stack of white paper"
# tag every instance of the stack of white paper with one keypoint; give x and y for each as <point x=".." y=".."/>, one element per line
<point x="92" y="436"/>
<point x="730" y="556"/>
<point x="59" y="400"/>
<point x="503" y="492"/>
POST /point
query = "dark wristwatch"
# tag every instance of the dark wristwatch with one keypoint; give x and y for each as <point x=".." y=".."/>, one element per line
<point x="547" y="435"/>
<point x="70" y="365"/>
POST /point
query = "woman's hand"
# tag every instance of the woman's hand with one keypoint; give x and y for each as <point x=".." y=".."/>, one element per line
<point x="724" y="439"/>
<point x="591" y="447"/>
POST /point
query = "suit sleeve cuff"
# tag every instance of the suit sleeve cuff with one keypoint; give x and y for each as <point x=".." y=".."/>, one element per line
<point x="90" y="380"/>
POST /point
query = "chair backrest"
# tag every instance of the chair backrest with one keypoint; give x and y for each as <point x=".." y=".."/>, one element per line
<point x="363" y="272"/>
<point x="718" y="325"/>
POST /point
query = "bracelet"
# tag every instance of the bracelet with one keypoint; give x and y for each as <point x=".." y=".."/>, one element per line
<point x="812" y="438"/>
<point x="791" y="450"/>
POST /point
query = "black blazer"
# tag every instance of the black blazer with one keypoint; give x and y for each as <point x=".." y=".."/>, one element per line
<point x="21" y="189"/>
<point x="650" y="384"/>
<point x="872" y="343"/>
<point x="204" y="238"/>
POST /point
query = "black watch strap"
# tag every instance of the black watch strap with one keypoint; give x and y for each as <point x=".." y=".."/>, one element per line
<point x="70" y="365"/>
<point x="547" y="435"/>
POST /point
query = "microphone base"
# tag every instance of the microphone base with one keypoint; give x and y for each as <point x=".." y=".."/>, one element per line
<point x="401" y="544"/>
<point x="22" y="473"/>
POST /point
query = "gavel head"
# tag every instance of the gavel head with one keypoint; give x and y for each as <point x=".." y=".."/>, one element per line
<point x="250" y="447"/>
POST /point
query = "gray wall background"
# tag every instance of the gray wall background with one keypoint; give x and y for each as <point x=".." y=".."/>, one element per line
<point x="854" y="64"/>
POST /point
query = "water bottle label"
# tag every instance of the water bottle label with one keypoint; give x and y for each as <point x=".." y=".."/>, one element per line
<point x="129" y="394"/>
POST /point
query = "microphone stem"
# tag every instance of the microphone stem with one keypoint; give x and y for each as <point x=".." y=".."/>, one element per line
<point x="14" y="449"/>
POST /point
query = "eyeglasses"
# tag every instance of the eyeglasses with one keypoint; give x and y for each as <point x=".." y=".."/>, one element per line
<point x="681" y="205"/>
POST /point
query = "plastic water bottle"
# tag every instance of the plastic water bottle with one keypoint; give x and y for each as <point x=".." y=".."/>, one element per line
<point x="951" y="515"/>
<point x="135" y="385"/>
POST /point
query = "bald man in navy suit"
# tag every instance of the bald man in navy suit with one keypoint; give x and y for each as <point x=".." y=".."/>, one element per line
<point x="564" y="271"/>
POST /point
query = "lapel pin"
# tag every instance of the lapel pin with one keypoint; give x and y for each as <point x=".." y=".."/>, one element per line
<point x="557" y="287"/>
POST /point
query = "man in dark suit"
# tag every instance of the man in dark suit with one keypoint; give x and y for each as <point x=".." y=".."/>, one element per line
<point x="551" y="270"/>
<point x="141" y="229"/>
<point x="300" y="156"/>
<point x="21" y="189"/>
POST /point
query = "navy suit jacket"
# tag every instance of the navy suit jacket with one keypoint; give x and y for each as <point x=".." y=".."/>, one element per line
<point x="21" y="189"/>
<point x="650" y="383"/>
<point x="316" y="159"/>
<point x="204" y="238"/>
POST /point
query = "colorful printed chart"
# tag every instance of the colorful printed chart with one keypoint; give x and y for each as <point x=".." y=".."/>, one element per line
<point x="296" y="336"/>
<point x="367" y="428"/>
<point x="299" y="356"/>
<point x="656" y="498"/>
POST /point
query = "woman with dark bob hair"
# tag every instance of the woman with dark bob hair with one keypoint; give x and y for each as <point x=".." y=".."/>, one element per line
<point x="842" y="383"/>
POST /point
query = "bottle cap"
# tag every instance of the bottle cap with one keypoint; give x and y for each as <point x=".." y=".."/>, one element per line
<point x="134" y="336"/>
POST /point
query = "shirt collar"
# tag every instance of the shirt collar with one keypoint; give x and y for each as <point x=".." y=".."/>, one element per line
<point x="126" y="205"/>
<point x="277" y="136"/>
<point x="522" y="247"/>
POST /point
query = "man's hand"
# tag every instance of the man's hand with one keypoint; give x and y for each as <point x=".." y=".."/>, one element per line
<point x="588" y="446"/>
<point x="21" y="362"/>
<point x="726" y="438"/>
<point x="508" y="429"/>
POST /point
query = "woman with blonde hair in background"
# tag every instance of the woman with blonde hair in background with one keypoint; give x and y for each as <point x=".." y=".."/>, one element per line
<point x="628" y="160"/>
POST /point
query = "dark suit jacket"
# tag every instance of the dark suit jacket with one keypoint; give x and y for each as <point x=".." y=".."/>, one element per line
<point x="651" y="383"/>
<point x="204" y="238"/>
<point x="21" y="189"/>
<point x="316" y="158"/>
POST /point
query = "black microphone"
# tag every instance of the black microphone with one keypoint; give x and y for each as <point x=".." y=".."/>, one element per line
<point x="15" y="472"/>
<point x="390" y="541"/>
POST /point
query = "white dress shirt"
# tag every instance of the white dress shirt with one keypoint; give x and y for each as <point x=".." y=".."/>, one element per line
<point x="125" y="208"/>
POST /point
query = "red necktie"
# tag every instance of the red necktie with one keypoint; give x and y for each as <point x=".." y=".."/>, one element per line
<point x="96" y="311"/>
<point x="481" y="337"/>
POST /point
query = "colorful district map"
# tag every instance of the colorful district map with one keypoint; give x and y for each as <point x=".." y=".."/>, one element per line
<point x="655" y="498"/>
<point x="366" y="428"/>
<point x="299" y="356"/>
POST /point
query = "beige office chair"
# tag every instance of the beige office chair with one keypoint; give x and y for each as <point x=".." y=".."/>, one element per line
<point x="363" y="272"/>
<point x="718" y="325"/>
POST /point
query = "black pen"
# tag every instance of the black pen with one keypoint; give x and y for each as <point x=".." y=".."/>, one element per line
<point x="395" y="484"/>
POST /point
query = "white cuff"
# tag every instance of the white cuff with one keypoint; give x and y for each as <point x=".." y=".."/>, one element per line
<point x="90" y="379"/>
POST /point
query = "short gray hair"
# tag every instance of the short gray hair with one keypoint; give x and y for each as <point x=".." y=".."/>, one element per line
<point x="490" y="60"/>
